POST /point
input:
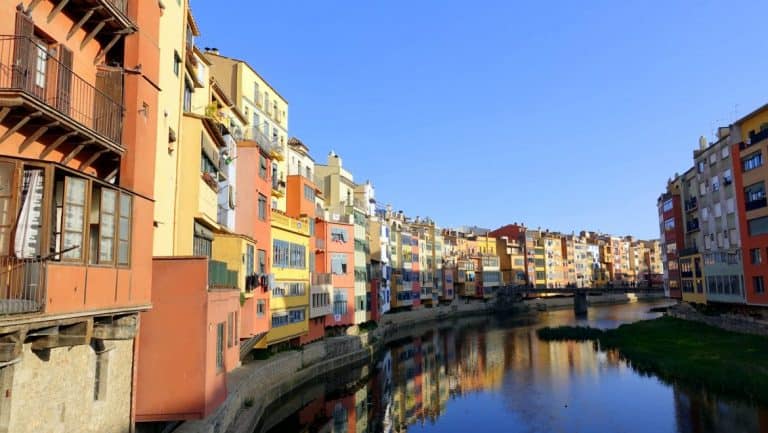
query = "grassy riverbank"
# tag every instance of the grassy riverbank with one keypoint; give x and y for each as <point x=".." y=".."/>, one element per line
<point x="681" y="350"/>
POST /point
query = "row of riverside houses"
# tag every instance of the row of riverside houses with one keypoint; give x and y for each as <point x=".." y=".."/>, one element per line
<point x="159" y="225"/>
<point x="714" y="220"/>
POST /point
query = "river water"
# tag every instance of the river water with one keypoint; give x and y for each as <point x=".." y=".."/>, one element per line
<point x="488" y="375"/>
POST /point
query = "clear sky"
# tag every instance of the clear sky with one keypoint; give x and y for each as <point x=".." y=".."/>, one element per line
<point x="567" y="115"/>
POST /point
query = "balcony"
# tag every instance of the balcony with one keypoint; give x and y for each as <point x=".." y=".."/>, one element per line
<point x="755" y="204"/>
<point x="219" y="277"/>
<point x="22" y="285"/>
<point x="691" y="204"/>
<point x="757" y="137"/>
<point x="689" y="251"/>
<point x="278" y="188"/>
<point x="285" y="222"/>
<point x="59" y="104"/>
<point x="111" y="15"/>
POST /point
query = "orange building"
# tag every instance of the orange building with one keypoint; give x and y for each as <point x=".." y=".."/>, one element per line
<point x="336" y="255"/>
<point x="253" y="216"/>
<point x="75" y="200"/>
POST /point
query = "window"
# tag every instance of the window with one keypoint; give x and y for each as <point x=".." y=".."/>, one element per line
<point x="102" y="225"/>
<point x="262" y="262"/>
<point x="725" y="152"/>
<point x="339" y="302"/>
<point x="28" y="236"/>
<point x="758" y="284"/>
<point x="256" y="94"/>
<point x="296" y="316"/>
<point x="262" y="207"/>
<point x="7" y="187"/>
<point x="256" y="121"/>
<point x="752" y="161"/>
<point x="309" y="193"/>
<point x="702" y="188"/>
<point x="202" y="241"/>
<point x="187" y="104"/>
<point x="715" y="184"/>
<point x="230" y="328"/>
<point x="754" y="256"/>
<point x="262" y="167"/>
<point x="669" y="224"/>
<point x="280" y="253"/>
<point x="339" y="235"/>
<point x="279" y="319"/>
<point x="72" y="206"/>
<point x="298" y="257"/>
<point x="339" y="264"/>
<point x="758" y="226"/>
<point x="667" y="206"/>
<point x="124" y="230"/>
<point x="727" y="177"/>
<point x="250" y="252"/>
<point x="701" y="166"/>
<point x="220" y="347"/>
<point x="176" y="63"/>
<point x="754" y="196"/>
<point x="261" y="308"/>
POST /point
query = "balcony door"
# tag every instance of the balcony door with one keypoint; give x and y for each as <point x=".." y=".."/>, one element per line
<point x="30" y="66"/>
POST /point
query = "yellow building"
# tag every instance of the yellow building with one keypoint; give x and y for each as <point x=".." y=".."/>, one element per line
<point x="265" y="109"/>
<point x="553" y="260"/>
<point x="172" y="51"/>
<point x="289" y="303"/>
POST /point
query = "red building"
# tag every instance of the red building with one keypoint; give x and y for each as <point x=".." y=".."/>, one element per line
<point x="670" y="209"/>
<point x="750" y="178"/>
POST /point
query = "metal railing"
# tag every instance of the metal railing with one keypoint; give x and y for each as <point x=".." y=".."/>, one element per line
<point x="30" y="68"/>
<point x="22" y="285"/>
<point x="219" y="277"/>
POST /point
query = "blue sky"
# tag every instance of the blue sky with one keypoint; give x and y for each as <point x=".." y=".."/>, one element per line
<point x="567" y="115"/>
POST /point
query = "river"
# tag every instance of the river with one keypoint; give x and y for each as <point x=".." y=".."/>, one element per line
<point x="490" y="375"/>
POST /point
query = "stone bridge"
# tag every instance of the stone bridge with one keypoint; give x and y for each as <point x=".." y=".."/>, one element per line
<point x="517" y="293"/>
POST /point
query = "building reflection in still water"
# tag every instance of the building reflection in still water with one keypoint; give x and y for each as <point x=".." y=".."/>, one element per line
<point x="416" y="378"/>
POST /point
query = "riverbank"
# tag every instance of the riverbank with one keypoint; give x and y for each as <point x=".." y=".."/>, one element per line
<point x="679" y="350"/>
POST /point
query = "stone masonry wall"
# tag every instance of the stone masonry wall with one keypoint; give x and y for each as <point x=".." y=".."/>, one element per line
<point x="57" y="395"/>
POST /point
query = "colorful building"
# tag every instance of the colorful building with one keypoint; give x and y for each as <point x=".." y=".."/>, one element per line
<point x="201" y="274"/>
<point x="77" y="199"/>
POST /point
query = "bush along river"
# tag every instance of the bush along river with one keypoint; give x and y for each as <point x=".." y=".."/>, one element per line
<point x="496" y="374"/>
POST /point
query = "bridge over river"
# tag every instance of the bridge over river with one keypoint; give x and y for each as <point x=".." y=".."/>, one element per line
<point x="517" y="293"/>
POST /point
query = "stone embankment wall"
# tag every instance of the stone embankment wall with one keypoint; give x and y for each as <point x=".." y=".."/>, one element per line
<point x="729" y="322"/>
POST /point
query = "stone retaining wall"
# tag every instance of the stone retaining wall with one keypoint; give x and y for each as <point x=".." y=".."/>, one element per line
<point x="729" y="322"/>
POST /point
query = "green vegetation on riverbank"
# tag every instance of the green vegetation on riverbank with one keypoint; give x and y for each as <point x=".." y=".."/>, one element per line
<point x="689" y="352"/>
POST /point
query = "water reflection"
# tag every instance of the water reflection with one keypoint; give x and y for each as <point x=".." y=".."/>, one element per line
<point x="496" y="376"/>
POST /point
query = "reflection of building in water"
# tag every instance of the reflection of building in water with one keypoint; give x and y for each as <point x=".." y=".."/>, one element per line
<point x="383" y="406"/>
<point x="699" y="412"/>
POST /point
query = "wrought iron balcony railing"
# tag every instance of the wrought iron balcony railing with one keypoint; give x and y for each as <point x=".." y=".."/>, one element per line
<point x="42" y="77"/>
